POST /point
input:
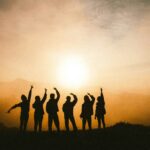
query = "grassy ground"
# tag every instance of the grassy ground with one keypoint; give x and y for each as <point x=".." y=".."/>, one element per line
<point x="119" y="137"/>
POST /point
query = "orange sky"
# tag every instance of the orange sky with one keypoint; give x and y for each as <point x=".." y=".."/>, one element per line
<point x="110" y="37"/>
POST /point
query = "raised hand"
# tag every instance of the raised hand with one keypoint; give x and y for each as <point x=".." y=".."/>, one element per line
<point x="55" y="88"/>
<point x="31" y="86"/>
<point x="101" y="90"/>
<point x="72" y="94"/>
<point x="8" y="111"/>
<point x="89" y="94"/>
<point x="45" y="90"/>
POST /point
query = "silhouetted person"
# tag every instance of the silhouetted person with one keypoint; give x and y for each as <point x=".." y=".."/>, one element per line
<point x="68" y="111"/>
<point x="25" y="107"/>
<point x="39" y="111"/>
<point x="52" y="109"/>
<point x="87" y="110"/>
<point x="100" y="110"/>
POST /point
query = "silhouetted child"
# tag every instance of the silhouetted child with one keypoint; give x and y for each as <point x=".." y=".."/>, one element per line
<point x="39" y="111"/>
<point x="68" y="111"/>
<point x="25" y="107"/>
<point x="52" y="109"/>
<point x="87" y="110"/>
<point x="100" y="110"/>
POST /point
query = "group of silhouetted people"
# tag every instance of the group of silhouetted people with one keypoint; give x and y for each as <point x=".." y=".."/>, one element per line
<point x="52" y="110"/>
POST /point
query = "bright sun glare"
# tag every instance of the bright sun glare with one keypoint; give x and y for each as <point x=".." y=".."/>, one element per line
<point x="72" y="72"/>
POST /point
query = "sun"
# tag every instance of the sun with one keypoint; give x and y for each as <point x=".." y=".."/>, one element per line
<point x="73" y="72"/>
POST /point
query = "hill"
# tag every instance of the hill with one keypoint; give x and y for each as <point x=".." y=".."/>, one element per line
<point x="121" y="136"/>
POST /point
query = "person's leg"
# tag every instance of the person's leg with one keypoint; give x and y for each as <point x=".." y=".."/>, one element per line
<point x="40" y="123"/>
<point x="66" y="122"/>
<point x="99" y="122"/>
<point x="103" y="121"/>
<point x="56" y="121"/>
<point x="83" y="123"/>
<point x="21" y="123"/>
<point x="89" y="123"/>
<point x="50" y="120"/>
<point x="73" y="123"/>
<point x="35" y="123"/>
<point x="26" y="122"/>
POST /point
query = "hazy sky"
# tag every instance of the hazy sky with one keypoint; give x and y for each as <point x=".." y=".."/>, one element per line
<point x="110" y="36"/>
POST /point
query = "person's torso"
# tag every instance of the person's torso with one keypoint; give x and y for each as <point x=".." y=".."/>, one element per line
<point x="100" y="108"/>
<point x="39" y="108"/>
<point x="87" y="109"/>
<point x="52" y="106"/>
<point x="68" y="108"/>
<point x="25" y="106"/>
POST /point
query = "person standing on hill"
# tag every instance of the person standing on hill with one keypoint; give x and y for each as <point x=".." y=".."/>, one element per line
<point x="68" y="107"/>
<point x="100" y="110"/>
<point x="39" y="111"/>
<point x="87" y="110"/>
<point x="25" y="107"/>
<point x="52" y="109"/>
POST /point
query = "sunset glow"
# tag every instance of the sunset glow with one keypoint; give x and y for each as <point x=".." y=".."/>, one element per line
<point x="76" y="46"/>
<point x="72" y="72"/>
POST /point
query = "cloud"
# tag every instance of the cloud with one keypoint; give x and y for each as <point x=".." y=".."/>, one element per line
<point x="117" y="16"/>
<point x="112" y="31"/>
<point x="7" y="4"/>
<point x="141" y="66"/>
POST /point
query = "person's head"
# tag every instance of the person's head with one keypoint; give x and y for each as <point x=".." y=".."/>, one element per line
<point x="68" y="99"/>
<point x="99" y="98"/>
<point x="23" y="98"/>
<point x="52" y="96"/>
<point x="86" y="98"/>
<point x="37" y="99"/>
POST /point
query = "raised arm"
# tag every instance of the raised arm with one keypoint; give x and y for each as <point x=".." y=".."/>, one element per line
<point x="58" y="94"/>
<point x="13" y="107"/>
<point x="101" y="92"/>
<point x="30" y="93"/>
<point x="92" y="98"/>
<point x="45" y="96"/>
<point x="102" y="96"/>
<point x="75" y="98"/>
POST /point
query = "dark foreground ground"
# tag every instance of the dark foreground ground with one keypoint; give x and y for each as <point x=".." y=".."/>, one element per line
<point x="119" y="137"/>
